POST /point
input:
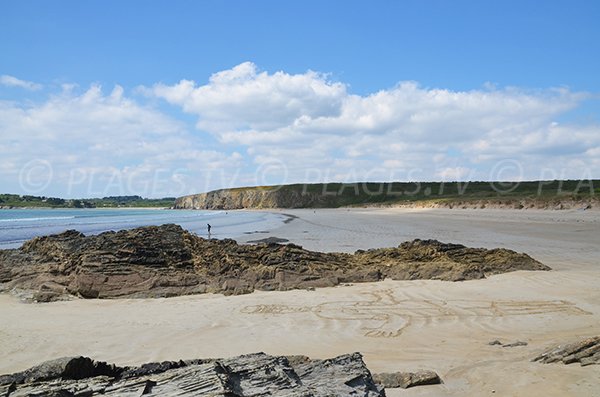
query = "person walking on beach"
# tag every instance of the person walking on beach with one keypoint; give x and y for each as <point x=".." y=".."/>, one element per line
<point x="208" y="227"/>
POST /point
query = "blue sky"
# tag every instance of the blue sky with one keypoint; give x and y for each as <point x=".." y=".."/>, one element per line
<point x="172" y="97"/>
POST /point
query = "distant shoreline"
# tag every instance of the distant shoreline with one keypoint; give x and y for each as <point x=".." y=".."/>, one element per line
<point x="512" y="203"/>
<point x="12" y="201"/>
<point x="94" y="208"/>
<point x="515" y="195"/>
<point x="457" y="205"/>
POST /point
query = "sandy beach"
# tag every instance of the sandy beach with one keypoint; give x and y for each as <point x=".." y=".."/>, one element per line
<point x="397" y="325"/>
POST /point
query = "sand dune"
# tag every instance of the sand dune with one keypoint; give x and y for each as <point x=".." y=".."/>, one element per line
<point x="397" y="325"/>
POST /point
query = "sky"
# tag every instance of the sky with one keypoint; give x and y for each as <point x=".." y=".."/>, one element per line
<point x="166" y="98"/>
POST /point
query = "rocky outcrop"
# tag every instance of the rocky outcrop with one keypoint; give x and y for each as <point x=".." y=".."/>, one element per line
<point x="148" y="261"/>
<point x="585" y="352"/>
<point x="248" y="375"/>
<point x="434" y="260"/>
<point x="162" y="261"/>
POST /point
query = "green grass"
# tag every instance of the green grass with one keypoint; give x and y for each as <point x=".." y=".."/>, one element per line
<point x="372" y="193"/>
<point x="356" y="194"/>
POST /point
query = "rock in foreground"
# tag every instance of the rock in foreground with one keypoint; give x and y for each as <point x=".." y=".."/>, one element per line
<point x="162" y="261"/>
<point x="249" y="375"/>
<point x="585" y="352"/>
<point x="407" y="379"/>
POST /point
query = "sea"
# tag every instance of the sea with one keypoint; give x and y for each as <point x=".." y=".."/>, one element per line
<point x="20" y="225"/>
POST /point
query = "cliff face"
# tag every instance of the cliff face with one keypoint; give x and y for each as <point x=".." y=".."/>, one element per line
<point x="230" y="199"/>
<point x="338" y="195"/>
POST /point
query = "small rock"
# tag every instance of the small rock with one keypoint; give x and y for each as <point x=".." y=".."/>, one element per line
<point x="495" y="342"/>
<point x="585" y="352"/>
<point x="515" y="344"/>
<point x="407" y="379"/>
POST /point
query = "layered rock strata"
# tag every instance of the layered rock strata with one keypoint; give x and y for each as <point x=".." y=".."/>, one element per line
<point x="584" y="352"/>
<point x="163" y="261"/>
<point x="248" y="375"/>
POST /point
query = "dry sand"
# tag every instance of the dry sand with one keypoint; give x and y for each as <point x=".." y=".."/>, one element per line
<point x="397" y="325"/>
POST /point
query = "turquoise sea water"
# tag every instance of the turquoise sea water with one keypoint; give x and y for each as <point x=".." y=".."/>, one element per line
<point x="19" y="225"/>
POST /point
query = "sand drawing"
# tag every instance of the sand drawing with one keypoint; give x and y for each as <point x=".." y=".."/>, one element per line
<point x="387" y="316"/>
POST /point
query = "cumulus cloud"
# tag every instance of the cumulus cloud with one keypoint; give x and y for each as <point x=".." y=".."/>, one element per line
<point x="11" y="81"/>
<point x="243" y="99"/>
<point x="308" y="121"/>
<point x="96" y="144"/>
<point x="252" y="127"/>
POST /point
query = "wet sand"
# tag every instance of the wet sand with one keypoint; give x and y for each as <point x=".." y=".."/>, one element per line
<point x="397" y="325"/>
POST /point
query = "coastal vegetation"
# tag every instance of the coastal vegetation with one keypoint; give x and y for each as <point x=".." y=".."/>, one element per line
<point x="531" y="194"/>
<point x="28" y="201"/>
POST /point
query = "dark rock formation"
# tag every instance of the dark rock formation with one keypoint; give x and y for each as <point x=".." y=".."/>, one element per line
<point x="269" y="240"/>
<point x="431" y="259"/>
<point x="511" y="344"/>
<point x="585" y="352"/>
<point x="146" y="260"/>
<point x="162" y="261"/>
<point x="406" y="379"/>
<point x="63" y="368"/>
<point x="248" y="375"/>
<point x="515" y="344"/>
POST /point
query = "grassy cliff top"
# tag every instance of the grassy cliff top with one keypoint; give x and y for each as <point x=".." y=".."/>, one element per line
<point x="384" y="193"/>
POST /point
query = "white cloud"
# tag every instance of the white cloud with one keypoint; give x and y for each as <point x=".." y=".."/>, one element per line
<point x="453" y="173"/>
<point x="308" y="122"/>
<point x="246" y="106"/>
<point x="254" y="127"/>
<point x="243" y="99"/>
<point x="102" y="144"/>
<point x="11" y="81"/>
